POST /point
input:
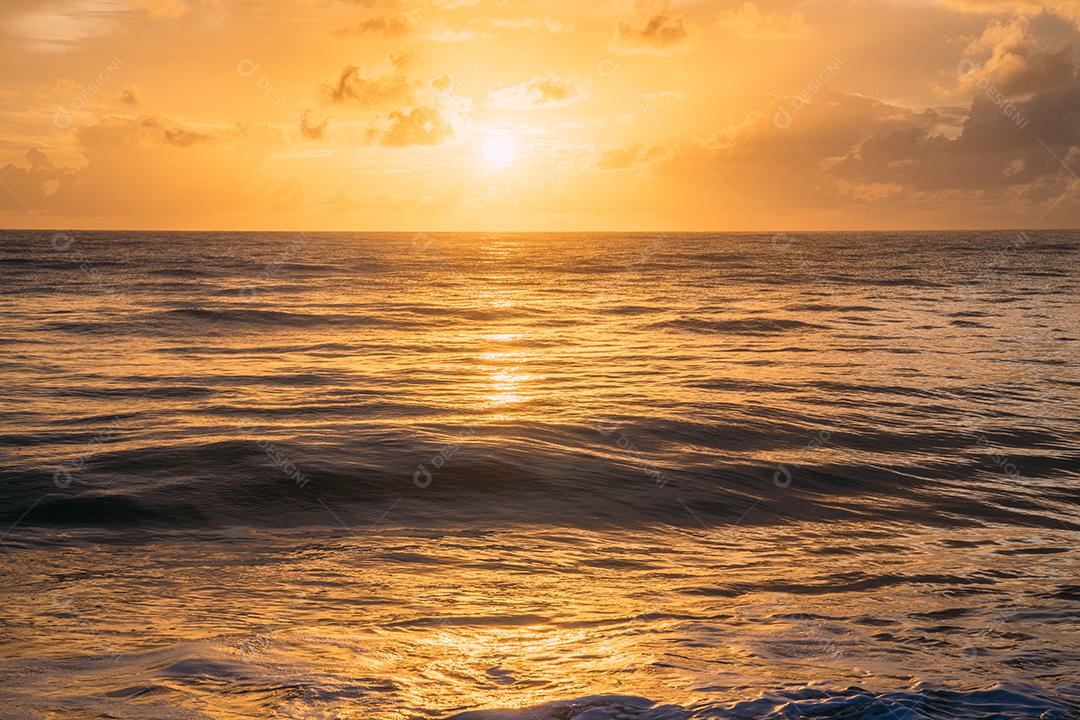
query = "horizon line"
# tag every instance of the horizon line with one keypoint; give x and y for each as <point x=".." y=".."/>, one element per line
<point x="547" y="232"/>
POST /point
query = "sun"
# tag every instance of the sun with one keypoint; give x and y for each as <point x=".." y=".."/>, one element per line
<point x="500" y="151"/>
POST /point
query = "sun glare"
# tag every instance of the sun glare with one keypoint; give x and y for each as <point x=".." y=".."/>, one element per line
<point x="500" y="151"/>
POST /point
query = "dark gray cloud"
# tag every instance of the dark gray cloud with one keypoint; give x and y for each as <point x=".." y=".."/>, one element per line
<point x="841" y="147"/>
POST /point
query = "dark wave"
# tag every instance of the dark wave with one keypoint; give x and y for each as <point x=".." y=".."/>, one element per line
<point x="928" y="378"/>
<point x="267" y="318"/>
<point x="581" y="477"/>
<point x="742" y="326"/>
<point x="1006" y="701"/>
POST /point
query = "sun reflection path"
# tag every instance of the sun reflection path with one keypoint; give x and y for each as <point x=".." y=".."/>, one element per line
<point x="506" y="386"/>
<point x="491" y="658"/>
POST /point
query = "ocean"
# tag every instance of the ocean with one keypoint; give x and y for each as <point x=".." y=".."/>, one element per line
<point x="540" y="476"/>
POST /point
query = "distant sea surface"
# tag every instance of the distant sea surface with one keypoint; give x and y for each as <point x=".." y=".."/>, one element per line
<point x="540" y="476"/>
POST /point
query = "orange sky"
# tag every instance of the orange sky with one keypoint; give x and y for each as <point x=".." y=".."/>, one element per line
<point x="522" y="115"/>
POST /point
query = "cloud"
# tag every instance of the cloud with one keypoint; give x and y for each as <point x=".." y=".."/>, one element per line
<point x="1069" y="8"/>
<point x="750" y="23"/>
<point x="28" y="185"/>
<point x="1019" y="63"/>
<point x="312" y="129"/>
<point x="383" y="84"/>
<point x="162" y="8"/>
<point x="657" y="31"/>
<point x="548" y="24"/>
<point x="627" y="157"/>
<point x="441" y="117"/>
<point x="130" y="95"/>
<point x="152" y="130"/>
<point x="840" y="147"/>
<point x="149" y="169"/>
<point x="991" y="157"/>
<point x="444" y="34"/>
<point x="424" y="125"/>
<point x="385" y="25"/>
<point x="542" y="91"/>
<point x="63" y="27"/>
<point x="1020" y="70"/>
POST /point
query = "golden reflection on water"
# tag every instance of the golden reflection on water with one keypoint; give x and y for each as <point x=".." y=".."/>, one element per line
<point x="506" y="386"/>
<point x="392" y="625"/>
<point x="503" y="337"/>
<point x="389" y="625"/>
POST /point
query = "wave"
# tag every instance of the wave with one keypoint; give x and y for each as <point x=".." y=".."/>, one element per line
<point x="1005" y="701"/>
<point x="486" y="474"/>
<point x="203" y="320"/>
<point x="741" y="326"/>
<point x="263" y="318"/>
<point x="720" y="360"/>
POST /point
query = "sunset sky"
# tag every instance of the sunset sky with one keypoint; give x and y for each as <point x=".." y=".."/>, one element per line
<point x="524" y="115"/>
